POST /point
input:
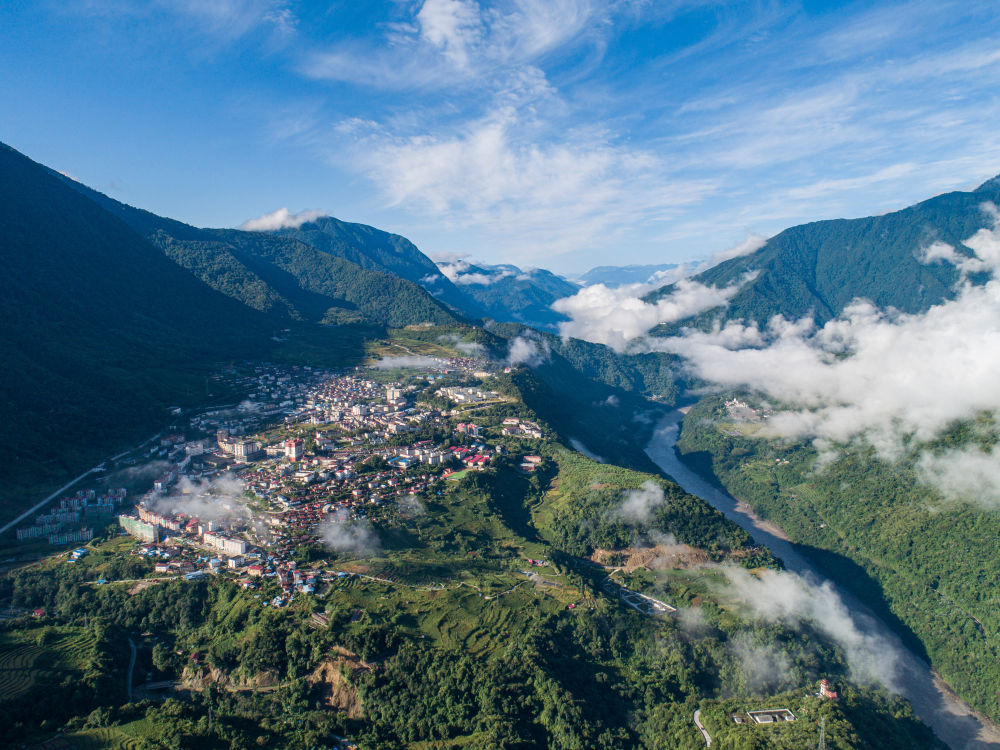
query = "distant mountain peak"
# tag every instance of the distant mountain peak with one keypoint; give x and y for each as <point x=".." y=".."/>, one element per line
<point x="991" y="185"/>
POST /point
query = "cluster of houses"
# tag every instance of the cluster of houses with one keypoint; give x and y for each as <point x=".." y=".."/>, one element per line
<point x="52" y="524"/>
<point x="336" y="453"/>
<point x="514" y="427"/>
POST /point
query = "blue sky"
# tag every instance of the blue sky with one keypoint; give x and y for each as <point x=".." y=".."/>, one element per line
<point x="561" y="134"/>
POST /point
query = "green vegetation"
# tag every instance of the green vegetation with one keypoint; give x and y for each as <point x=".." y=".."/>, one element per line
<point x="480" y="622"/>
<point x="517" y="296"/>
<point x="859" y="714"/>
<point x="377" y="250"/>
<point x="928" y="565"/>
<point x="442" y="640"/>
<point x="817" y="269"/>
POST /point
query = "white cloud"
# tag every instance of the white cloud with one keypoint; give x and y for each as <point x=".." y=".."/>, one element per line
<point x="280" y="219"/>
<point x="751" y="244"/>
<point x="616" y="317"/>
<point x="526" y="350"/>
<point x="468" y="348"/>
<point x="349" y="537"/>
<point x="766" y="668"/>
<point x="457" y="270"/>
<point x="454" y="26"/>
<point x="779" y="596"/>
<point x="460" y="42"/>
<point x="407" y="362"/>
<point x="578" y="446"/>
<point x="638" y="506"/>
<point x="216" y="499"/>
<point x="968" y="474"/>
<point x="507" y="177"/>
<point x="411" y="505"/>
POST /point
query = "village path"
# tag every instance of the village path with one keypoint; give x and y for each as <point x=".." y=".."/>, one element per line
<point x="131" y="669"/>
<point x="701" y="728"/>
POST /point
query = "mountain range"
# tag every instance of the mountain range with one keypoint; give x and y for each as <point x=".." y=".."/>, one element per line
<point x="819" y="268"/>
<point x="615" y="276"/>
<point x="508" y="294"/>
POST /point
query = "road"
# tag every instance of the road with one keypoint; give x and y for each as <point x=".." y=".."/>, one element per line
<point x="701" y="728"/>
<point x="34" y="509"/>
<point x="66" y="486"/>
<point x="131" y="669"/>
<point x="935" y="704"/>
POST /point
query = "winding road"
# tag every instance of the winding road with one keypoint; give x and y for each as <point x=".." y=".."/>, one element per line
<point x="937" y="706"/>
<point x="131" y="669"/>
<point x="701" y="728"/>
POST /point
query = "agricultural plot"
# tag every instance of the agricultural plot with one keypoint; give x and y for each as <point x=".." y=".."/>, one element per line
<point x="131" y="736"/>
<point x="25" y="663"/>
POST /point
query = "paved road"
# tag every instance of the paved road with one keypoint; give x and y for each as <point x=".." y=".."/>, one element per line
<point x="50" y="498"/>
<point x="131" y="669"/>
<point x="66" y="486"/>
<point x="950" y="717"/>
<point x="701" y="728"/>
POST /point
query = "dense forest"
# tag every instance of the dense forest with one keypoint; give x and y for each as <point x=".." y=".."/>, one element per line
<point x="928" y="564"/>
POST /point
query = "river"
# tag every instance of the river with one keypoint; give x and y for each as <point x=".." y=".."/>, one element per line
<point x="951" y="718"/>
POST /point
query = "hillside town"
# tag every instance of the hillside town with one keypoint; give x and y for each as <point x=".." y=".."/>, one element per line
<point x="242" y="489"/>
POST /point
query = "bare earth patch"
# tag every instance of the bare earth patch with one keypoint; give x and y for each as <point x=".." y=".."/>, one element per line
<point x="335" y="675"/>
<point x="658" y="557"/>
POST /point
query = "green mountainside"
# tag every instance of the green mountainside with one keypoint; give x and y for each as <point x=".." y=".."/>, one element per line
<point x="929" y="564"/>
<point x="819" y="268"/>
<point x="101" y="332"/>
<point x="379" y="250"/>
<point x="509" y="294"/>
<point x="282" y="275"/>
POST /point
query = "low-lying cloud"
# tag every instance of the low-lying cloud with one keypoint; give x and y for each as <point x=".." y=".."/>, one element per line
<point x="280" y="219"/>
<point x="969" y="474"/>
<point x="616" y="317"/>
<point x="219" y="499"/>
<point x="577" y="445"/>
<point x="788" y="598"/>
<point x="349" y="537"/>
<point x="527" y="350"/>
<point x="407" y="362"/>
<point x="468" y="348"/>
<point x="458" y="271"/>
<point x="410" y="505"/>
<point x="638" y="506"/>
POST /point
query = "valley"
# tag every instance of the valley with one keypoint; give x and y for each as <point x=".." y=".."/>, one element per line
<point x="937" y="705"/>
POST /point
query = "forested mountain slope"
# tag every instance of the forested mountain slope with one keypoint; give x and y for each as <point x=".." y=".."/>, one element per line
<point x="819" y="268"/>
<point x="282" y="275"/>
<point x="379" y="250"/>
<point x="100" y="330"/>
<point x="930" y="563"/>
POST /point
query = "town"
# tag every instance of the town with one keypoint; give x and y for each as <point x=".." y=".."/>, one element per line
<point x="244" y="490"/>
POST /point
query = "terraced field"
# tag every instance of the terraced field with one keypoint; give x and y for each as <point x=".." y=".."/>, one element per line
<point x="24" y="663"/>
<point x="129" y="736"/>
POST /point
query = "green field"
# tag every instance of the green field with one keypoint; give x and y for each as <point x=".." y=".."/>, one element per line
<point x="39" y="657"/>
